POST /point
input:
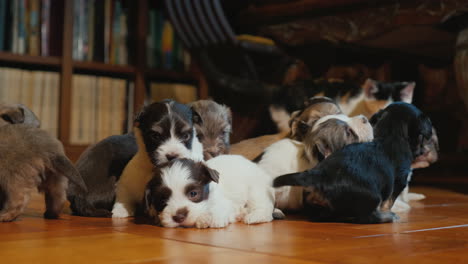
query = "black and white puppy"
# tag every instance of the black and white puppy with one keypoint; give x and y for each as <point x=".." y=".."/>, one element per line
<point x="328" y="134"/>
<point x="164" y="131"/>
<point x="225" y="189"/>
<point x="102" y="163"/>
<point x="360" y="182"/>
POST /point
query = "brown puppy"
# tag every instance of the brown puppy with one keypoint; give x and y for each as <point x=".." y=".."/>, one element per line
<point x="300" y="122"/>
<point x="17" y="114"/>
<point x="32" y="159"/>
<point x="215" y="127"/>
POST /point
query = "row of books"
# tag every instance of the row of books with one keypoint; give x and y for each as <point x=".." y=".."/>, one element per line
<point x="100" y="31"/>
<point x="31" y="26"/>
<point x="101" y="107"/>
<point x="182" y="93"/>
<point x="164" y="49"/>
<point x="38" y="90"/>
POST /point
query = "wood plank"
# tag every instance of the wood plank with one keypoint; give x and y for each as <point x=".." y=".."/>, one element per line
<point x="434" y="230"/>
<point x="30" y="60"/>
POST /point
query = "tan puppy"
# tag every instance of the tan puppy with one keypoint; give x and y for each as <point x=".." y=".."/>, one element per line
<point x="32" y="159"/>
<point x="300" y="122"/>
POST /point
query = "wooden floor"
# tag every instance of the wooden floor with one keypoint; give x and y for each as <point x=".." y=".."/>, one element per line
<point x="435" y="231"/>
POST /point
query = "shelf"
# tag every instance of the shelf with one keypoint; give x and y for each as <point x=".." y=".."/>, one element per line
<point x="154" y="74"/>
<point x="104" y="68"/>
<point x="30" y="60"/>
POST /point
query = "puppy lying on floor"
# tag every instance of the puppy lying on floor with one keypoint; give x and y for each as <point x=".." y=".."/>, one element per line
<point x="317" y="107"/>
<point x="102" y="164"/>
<point x="228" y="188"/>
<point x="360" y="182"/>
<point x="17" y="114"/>
<point x="32" y="159"/>
<point x="164" y="131"/>
<point x="328" y="134"/>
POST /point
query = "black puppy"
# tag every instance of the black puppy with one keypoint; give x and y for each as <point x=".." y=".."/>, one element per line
<point x="360" y="182"/>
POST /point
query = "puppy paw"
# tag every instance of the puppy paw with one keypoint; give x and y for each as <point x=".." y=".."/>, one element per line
<point x="416" y="196"/>
<point x="51" y="215"/>
<point x="203" y="222"/>
<point x="258" y="216"/>
<point x="119" y="211"/>
<point x="278" y="214"/>
<point x="400" y="206"/>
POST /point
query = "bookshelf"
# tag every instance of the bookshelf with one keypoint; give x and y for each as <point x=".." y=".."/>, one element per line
<point x="137" y="71"/>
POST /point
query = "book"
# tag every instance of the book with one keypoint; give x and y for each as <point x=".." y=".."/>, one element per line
<point x="33" y="27"/>
<point x="3" y="20"/>
<point x="22" y="33"/>
<point x="45" y="27"/>
<point x="91" y="25"/>
<point x="183" y="93"/>
<point x="99" y="33"/>
<point x="107" y="29"/>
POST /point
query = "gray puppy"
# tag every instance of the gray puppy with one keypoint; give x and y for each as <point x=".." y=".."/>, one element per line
<point x="17" y="114"/>
<point x="32" y="159"/>
<point x="102" y="164"/>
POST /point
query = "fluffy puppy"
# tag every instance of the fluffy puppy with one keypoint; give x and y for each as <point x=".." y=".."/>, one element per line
<point x="215" y="127"/>
<point x="360" y="182"/>
<point x="32" y="159"/>
<point x="102" y="164"/>
<point x="328" y="134"/>
<point x="164" y="131"/>
<point x="17" y="114"/>
<point x="228" y="188"/>
<point x="300" y="121"/>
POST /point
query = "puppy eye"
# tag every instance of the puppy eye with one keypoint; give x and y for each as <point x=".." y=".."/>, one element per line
<point x="155" y="136"/>
<point x="186" y="137"/>
<point x="193" y="194"/>
<point x="200" y="137"/>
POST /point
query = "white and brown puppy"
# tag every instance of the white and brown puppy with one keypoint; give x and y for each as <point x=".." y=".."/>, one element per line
<point x="226" y="189"/>
<point x="164" y="131"/>
<point x="32" y="160"/>
<point x="300" y="121"/>
<point x="328" y="134"/>
<point x="215" y="127"/>
<point x="17" y="114"/>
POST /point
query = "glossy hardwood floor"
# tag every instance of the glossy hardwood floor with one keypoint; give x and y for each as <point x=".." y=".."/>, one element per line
<point x="434" y="231"/>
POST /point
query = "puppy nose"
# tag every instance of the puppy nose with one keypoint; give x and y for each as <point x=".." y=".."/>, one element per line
<point x="180" y="215"/>
<point x="171" y="156"/>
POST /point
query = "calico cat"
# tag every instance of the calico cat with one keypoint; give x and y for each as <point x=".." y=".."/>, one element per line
<point x="352" y="98"/>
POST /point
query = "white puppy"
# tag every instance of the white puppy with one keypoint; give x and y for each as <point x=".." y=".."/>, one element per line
<point x="223" y="190"/>
<point x="328" y="134"/>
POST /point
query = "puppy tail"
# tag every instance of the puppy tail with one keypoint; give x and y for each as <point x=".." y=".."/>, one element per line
<point x="306" y="178"/>
<point x="64" y="166"/>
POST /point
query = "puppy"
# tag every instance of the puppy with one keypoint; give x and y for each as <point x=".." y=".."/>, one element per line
<point x="328" y="134"/>
<point x="360" y="182"/>
<point x="102" y="164"/>
<point x="228" y="188"/>
<point x="300" y="121"/>
<point x="164" y="131"/>
<point x="17" y="114"/>
<point x="32" y="159"/>
<point x="215" y="127"/>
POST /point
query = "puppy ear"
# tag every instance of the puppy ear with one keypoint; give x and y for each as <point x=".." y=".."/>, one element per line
<point x="196" y="118"/>
<point x="406" y="93"/>
<point x="229" y="115"/>
<point x="323" y="148"/>
<point x="376" y="117"/>
<point x="29" y="117"/>
<point x="293" y="117"/>
<point x="209" y="174"/>
<point x="147" y="201"/>
<point x="15" y="116"/>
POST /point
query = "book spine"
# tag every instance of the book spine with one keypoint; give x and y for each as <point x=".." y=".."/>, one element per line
<point x="123" y="57"/>
<point x="22" y="34"/>
<point x="3" y="17"/>
<point x="14" y="26"/>
<point x="45" y="25"/>
<point x="107" y="29"/>
<point x="91" y="27"/>
<point x="76" y="30"/>
<point x="167" y="45"/>
<point x="34" y="27"/>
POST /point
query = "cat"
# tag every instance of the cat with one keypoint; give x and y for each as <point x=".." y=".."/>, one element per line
<point x="352" y="98"/>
